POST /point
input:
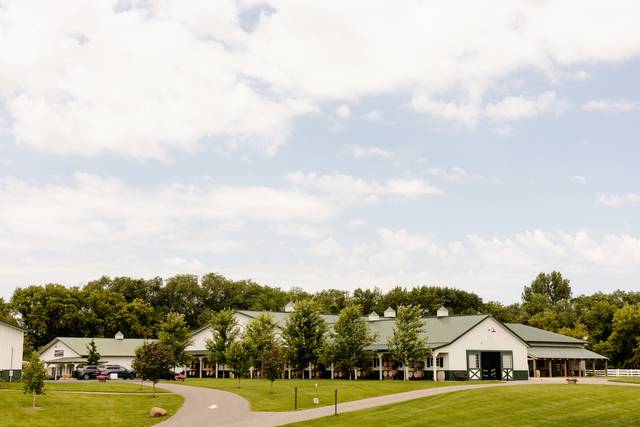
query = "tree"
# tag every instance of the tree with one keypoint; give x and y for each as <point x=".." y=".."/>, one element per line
<point x="175" y="336"/>
<point x="545" y="290"/>
<point x="349" y="339"/>
<point x="33" y="376"/>
<point x="260" y="336"/>
<point x="238" y="358"/>
<point x="93" y="357"/>
<point x="303" y="334"/>
<point x="407" y="345"/>
<point x="369" y="299"/>
<point x="152" y="362"/>
<point x="225" y="330"/>
<point x="272" y="364"/>
<point x="624" y="332"/>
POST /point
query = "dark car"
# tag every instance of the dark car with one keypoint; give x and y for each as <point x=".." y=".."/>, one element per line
<point x="87" y="372"/>
<point x="117" y="369"/>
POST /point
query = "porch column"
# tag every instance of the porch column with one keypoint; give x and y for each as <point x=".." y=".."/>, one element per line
<point x="251" y="372"/>
<point x="564" y="368"/>
<point x="309" y="370"/>
<point x="550" y="368"/>
<point x="380" y="366"/>
<point x="289" y="372"/>
<point x="331" y="370"/>
<point x="606" y="367"/>
<point x="217" y="370"/>
<point x="433" y="366"/>
<point x="200" y="365"/>
<point x="593" y="367"/>
<point x="355" y="374"/>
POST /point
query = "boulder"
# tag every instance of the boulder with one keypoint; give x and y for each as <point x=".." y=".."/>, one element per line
<point x="157" y="412"/>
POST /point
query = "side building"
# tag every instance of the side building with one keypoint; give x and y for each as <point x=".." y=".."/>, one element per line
<point x="11" y="344"/>
<point x="474" y="347"/>
<point x="62" y="355"/>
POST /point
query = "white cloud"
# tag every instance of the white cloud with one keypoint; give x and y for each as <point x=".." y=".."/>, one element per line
<point x="359" y="151"/>
<point x="343" y="111"/>
<point x="517" y="107"/>
<point x="373" y="116"/>
<point x="6" y="162"/>
<point x="326" y="248"/>
<point x="303" y="231"/>
<point x="167" y="75"/>
<point x="579" y="179"/>
<point x="347" y="185"/>
<point x="611" y="105"/>
<point x="454" y="173"/>
<point x="617" y="200"/>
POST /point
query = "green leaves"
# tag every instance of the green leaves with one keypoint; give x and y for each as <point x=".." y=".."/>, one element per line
<point x="93" y="357"/>
<point x="303" y="334"/>
<point x="224" y="327"/>
<point x="175" y="335"/>
<point x="348" y="340"/>
<point x="407" y="345"/>
<point x="33" y="375"/>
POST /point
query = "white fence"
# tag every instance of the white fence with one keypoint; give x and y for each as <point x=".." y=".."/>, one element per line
<point x="615" y="372"/>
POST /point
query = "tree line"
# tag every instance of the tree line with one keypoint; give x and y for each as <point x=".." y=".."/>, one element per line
<point x="137" y="307"/>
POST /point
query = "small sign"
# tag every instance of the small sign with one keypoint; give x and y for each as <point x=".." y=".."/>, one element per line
<point x="316" y="400"/>
<point x="113" y="376"/>
<point x="214" y="406"/>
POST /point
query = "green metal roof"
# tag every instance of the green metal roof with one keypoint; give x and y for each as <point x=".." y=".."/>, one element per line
<point x="105" y="346"/>
<point x="280" y="318"/>
<point x="73" y="360"/>
<point x="562" y="353"/>
<point x="535" y="335"/>
<point x="13" y="325"/>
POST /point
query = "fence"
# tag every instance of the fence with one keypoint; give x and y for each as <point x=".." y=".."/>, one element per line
<point x="615" y="372"/>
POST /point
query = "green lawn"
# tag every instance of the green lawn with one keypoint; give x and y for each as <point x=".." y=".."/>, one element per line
<point x="282" y="399"/>
<point x="527" y="405"/>
<point x="630" y="380"/>
<point x="110" y="386"/>
<point x="69" y="410"/>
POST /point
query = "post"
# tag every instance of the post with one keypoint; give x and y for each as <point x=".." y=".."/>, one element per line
<point x="433" y="367"/>
<point x="331" y="370"/>
<point x="216" y="369"/>
<point x="550" y="368"/>
<point x="380" y="365"/>
<point x="251" y="372"/>
<point x="606" y="367"/>
<point x="295" y="400"/>
<point x="593" y="367"/>
<point x="11" y="366"/>
<point x="200" y="366"/>
<point x="335" y="402"/>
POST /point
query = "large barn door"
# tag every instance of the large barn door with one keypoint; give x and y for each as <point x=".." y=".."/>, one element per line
<point x="473" y="365"/>
<point x="507" y="365"/>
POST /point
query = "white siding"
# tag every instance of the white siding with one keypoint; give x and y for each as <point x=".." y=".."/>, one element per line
<point x="481" y="338"/>
<point x="49" y="353"/>
<point x="125" y="361"/>
<point x="200" y="339"/>
<point x="10" y="338"/>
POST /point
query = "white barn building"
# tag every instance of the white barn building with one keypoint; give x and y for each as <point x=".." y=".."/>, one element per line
<point x="476" y="347"/>
<point x="11" y="344"/>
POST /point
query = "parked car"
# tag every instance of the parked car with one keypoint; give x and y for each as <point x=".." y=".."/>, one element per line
<point x="87" y="372"/>
<point x="117" y="369"/>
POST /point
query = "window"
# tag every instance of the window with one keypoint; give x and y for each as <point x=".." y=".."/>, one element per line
<point x="439" y="362"/>
<point x="58" y="353"/>
<point x="507" y="361"/>
<point x="474" y="361"/>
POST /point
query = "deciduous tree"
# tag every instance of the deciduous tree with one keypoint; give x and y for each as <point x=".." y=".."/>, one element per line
<point x="152" y="362"/>
<point x="349" y="339"/>
<point x="225" y="330"/>
<point x="238" y="358"/>
<point x="176" y="337"/>
<point x="303" y="334"/>
<point x="408" y="344"/>
<point x="33" y="376"/>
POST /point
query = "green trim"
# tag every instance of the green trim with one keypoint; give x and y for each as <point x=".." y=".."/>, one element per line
<point x="506" y="374"/>
<point x="4" y="375"/>
<point x="474" y="375"/>
<point x="520" y="375"/>
<point x="13" y="325"/>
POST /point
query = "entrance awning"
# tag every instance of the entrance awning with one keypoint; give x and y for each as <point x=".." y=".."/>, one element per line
<point x="562" y="353"/>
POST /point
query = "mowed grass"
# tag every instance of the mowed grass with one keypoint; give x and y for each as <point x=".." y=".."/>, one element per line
<point x="527" y="405"/>
<point x="258" y="393"/>
<point x="630" y="380"/>
<point x="89" y="386"/>
<point x="57" y="408"/>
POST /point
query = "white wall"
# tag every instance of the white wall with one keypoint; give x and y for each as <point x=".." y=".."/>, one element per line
<point x="480" y="338"/>
<point x="200" y="339"/>
<point x="125" y="361"/>
<point x="10" y="338"/>
<point x="48" y="354"/>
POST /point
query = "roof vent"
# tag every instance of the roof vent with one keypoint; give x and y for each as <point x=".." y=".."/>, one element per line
<point x="374" y="316"/>
<point x="289" y="307"/>
<point x="389" y="312"/>
<point x="442" y="312"/>
<point x="119" y="336"/>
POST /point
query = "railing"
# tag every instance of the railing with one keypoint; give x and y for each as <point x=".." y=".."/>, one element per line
<point x="615" y="372"/>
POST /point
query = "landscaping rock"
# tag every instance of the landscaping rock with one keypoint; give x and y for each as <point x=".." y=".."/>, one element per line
<point x="157" y="412"/>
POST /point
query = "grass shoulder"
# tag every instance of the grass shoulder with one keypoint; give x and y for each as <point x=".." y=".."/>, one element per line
<point x="118" y="386"/>
<point x="628" y="380"/>
<point x="57" y="408"/>
<point x="281" y="398"/>
<point x="526" y="405"/>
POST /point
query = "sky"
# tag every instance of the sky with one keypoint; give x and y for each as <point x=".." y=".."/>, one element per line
<point x="321" y="144"/>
